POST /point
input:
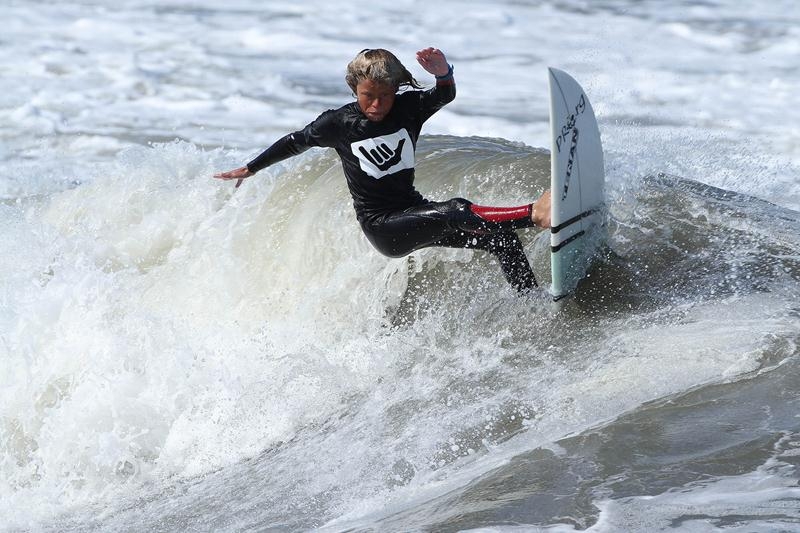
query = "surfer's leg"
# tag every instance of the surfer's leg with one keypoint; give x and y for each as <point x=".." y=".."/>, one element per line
<point x="508" y="249"/>
<point x="458" y="223"/>
<point x="400" y="233"/>
<point x="474" y="218"/>
<point x="484" y="219"/>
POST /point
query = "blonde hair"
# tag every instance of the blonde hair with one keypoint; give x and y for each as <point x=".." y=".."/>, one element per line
<point x="381" y="66"/>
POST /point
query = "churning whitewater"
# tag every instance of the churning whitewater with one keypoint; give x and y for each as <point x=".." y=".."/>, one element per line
<point x="178" y="354"/>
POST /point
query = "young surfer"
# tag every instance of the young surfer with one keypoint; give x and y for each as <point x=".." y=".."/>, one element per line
<point x="376" y="137"/>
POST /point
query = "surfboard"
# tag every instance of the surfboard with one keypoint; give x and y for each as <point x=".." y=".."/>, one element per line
<point x="577" y="180"/>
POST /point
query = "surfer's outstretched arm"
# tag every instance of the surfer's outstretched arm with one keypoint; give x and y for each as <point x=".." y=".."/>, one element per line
<point x="284" y="148"/>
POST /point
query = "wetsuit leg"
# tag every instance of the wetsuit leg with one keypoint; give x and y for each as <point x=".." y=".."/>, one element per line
<point x="457" y="223"/>
<point x="508" y="250"/>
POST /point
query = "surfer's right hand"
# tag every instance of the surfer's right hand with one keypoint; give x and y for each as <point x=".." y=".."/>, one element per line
<point x="238" y="174"/>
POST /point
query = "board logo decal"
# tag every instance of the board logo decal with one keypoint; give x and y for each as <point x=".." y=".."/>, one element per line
<point x="566" y="129"/>
<point x="384" y="155"/>
<point x="572" y="149"/>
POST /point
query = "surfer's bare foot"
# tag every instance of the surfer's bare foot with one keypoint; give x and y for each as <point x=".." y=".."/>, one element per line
<point x="540" y="213"/>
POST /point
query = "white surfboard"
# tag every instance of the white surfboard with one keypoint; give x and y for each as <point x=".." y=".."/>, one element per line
<point x="576" y="180"/>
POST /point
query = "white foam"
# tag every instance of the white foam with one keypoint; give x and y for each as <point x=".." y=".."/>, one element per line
<point x="762" y="500"/>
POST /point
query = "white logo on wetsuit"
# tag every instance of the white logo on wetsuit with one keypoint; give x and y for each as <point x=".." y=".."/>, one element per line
<point x="385" y="155"/>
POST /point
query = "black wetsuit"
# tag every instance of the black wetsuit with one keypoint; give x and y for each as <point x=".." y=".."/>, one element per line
<point x="378" y="162"/>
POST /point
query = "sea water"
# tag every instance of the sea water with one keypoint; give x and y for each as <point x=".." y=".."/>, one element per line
<point x="177" y="354"/>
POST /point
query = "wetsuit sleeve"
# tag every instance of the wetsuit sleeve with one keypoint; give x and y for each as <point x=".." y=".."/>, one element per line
<point x="321" y="132"/>
<point x="436" y="98"/>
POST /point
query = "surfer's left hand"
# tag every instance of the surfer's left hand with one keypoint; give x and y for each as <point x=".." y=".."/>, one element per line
<point x="540" y="213"/>
<point x="433" y="61"/>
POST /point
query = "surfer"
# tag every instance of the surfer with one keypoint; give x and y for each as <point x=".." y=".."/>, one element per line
<point x="375" y="138"/>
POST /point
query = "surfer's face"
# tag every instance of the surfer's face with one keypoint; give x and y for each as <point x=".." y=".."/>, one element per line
<point x="375" y="99"/>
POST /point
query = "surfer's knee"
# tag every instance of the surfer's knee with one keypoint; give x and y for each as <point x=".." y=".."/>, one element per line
<point x="460" y="215"/>
<point x="457" y="206"/>
<point x="387" y="245"/>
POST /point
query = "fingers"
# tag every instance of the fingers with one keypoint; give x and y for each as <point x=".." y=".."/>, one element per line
<point x="432" y="60"/>
<point x="427" y="52"/>
<point x="429" y="55"/>
<point x="237" y="174"/>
